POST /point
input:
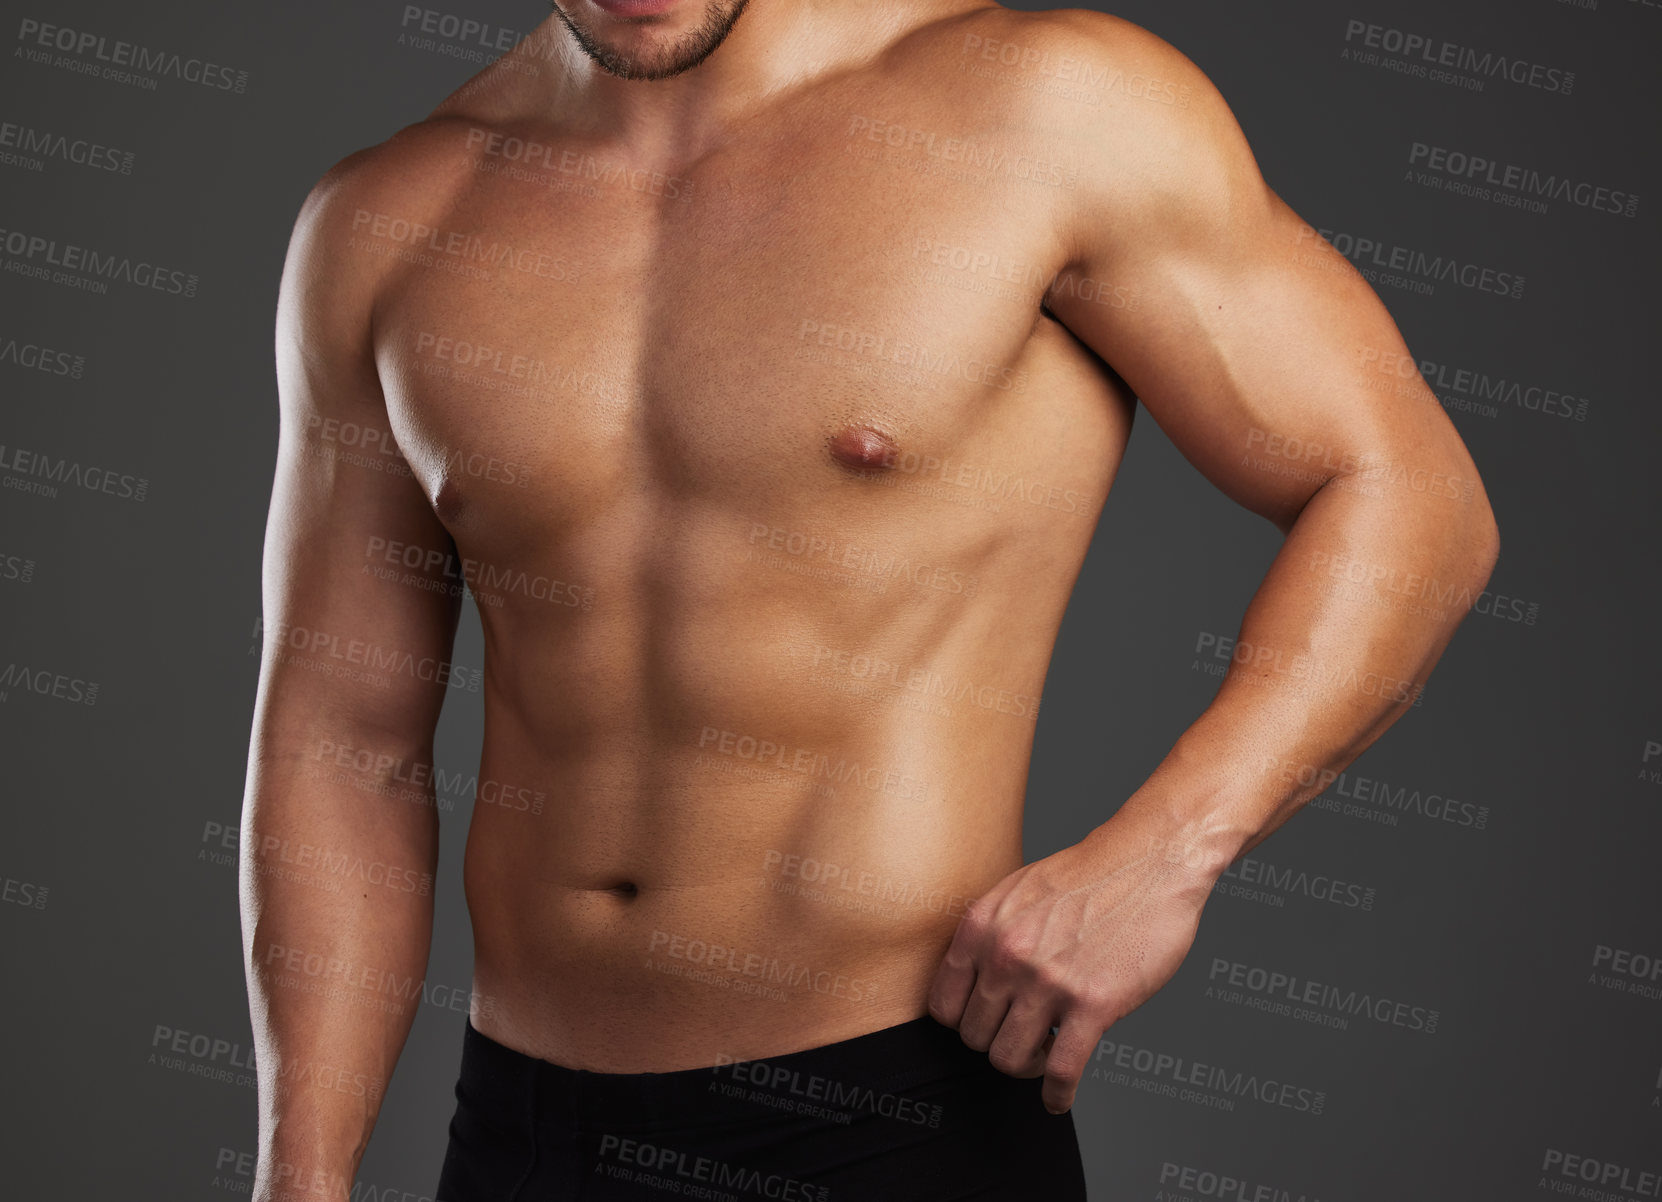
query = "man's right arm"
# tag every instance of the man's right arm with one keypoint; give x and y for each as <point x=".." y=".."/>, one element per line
<point x="338" y="849"/>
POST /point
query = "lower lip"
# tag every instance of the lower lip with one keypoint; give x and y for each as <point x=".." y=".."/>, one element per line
<point x="635" y="8"/>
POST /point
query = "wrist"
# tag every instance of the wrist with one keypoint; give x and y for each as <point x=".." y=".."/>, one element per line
<point x="303" y="1179"/>
<point x="1207" y="801"/>
<point x="295" y="1167"/>
<point x="1197" y="836"/>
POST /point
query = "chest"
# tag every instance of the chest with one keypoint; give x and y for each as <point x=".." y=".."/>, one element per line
<point x="575" y="328"/>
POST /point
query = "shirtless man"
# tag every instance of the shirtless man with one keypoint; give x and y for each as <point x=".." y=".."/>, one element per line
<point x="763" y="374"/>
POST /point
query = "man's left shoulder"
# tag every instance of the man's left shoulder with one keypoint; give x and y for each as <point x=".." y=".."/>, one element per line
<point x="1061" y="65"/>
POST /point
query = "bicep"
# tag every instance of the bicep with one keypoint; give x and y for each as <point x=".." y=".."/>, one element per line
<point x="1252" y="343"/>
<point x="353" y="637"/>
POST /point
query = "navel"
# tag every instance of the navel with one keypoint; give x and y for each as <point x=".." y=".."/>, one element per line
<point x="863" y="449"/>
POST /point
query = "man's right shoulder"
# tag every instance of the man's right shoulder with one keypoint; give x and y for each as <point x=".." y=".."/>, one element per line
<point x="357" y="223"/>
<point x="339" y="257"/>
<point x="414" y="173"/>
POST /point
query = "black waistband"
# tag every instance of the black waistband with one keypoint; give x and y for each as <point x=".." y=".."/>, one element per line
<point x="921" y="1050"/>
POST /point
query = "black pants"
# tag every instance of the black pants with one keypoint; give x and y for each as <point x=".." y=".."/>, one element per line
<point x="906" y="1113"/>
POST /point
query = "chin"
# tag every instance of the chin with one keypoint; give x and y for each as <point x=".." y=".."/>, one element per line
<point x="650" y="39"/>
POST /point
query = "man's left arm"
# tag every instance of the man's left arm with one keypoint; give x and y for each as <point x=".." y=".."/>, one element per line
<point x="1277" y="372"/>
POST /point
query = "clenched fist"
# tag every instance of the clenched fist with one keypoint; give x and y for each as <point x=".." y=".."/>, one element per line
<point x="1074" y="941"/>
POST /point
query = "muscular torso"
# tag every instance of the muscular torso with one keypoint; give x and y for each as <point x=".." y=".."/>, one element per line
<point x="771" y="479"/>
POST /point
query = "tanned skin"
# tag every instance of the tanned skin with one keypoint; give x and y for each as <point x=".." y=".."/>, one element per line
<point x="768" y="407"/>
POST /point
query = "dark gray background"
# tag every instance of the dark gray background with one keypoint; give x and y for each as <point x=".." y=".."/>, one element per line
<point x="1543" y="722"/>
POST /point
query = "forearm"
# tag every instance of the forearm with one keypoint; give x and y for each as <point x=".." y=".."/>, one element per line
<point x="1358" y="605"/>
<point x="336" y="875"/>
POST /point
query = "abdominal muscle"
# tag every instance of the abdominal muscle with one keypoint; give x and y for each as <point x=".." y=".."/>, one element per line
<point x="731" y="900"/>
<point x="722" y="829"/>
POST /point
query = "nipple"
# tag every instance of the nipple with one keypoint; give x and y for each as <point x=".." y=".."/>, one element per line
<point x="863" y="449"/>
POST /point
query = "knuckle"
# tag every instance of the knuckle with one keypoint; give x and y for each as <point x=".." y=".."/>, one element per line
<point x="1094" y="996"/>
<point x="977" y="920"/>
<point x="1005" y="1060"/>
<point x="1012" y="948"/>
<point x="1070" y="1052"/>
<point x="1053" y="980"/>
<point x="1064" y="1084"/>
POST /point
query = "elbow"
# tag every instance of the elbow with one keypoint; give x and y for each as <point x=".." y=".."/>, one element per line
<point x="1481" y="546"/>
<point x="1469" y="538"/>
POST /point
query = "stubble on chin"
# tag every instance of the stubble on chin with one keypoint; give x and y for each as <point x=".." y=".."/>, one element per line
<point x="681" y="55"/>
